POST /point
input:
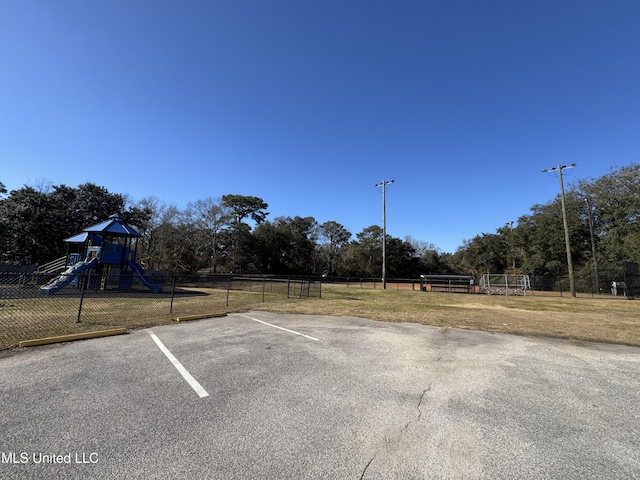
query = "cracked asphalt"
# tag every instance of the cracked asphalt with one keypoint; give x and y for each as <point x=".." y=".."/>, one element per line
<point x="366" y="400"/>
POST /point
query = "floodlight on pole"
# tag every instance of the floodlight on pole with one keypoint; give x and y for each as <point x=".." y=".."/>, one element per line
<point x="384" y="184"/>
<point x="559" y="169"/>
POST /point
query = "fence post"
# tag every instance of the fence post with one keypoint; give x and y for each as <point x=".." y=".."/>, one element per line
<point x="264" y="280"/>
<point x="288" y="284"/>
<point x="228" y="288"/>
<point x="82" y="280"/>
<point x="173" y="289"/>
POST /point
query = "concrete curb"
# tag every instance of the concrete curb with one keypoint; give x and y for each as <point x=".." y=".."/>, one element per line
<point x="73" y="337"/>
<point x="186" y="318"/>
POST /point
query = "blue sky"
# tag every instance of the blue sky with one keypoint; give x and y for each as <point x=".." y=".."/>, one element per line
<point x="309" y="104"/>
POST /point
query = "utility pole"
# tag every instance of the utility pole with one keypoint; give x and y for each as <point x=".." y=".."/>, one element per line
<point x="593" y="247"/>
<point x="384" y="184"/>
<point x="559" y="169"/>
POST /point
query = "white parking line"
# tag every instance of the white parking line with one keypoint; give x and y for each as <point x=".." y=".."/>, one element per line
<point x="183" y="371"/>
<point x="279" y="328"/>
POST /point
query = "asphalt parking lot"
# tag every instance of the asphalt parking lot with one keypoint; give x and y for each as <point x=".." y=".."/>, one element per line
<point x="263" y="395"/>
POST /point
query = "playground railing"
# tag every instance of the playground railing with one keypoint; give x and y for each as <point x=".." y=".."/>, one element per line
<point x="53" y="267"/>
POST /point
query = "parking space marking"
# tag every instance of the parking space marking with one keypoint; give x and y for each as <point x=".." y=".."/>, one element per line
<point x="183" y="371"/>
<point x="279" y="328"/>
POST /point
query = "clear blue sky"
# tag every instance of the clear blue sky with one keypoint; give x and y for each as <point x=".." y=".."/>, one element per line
<point x="309" y="104"/>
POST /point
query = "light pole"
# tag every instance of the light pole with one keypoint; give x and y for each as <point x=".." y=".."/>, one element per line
<point x="559" y="169"/>
<point x="383" y="184"/>
<point x="513" y="256"/>
<point x="593" y="246"/>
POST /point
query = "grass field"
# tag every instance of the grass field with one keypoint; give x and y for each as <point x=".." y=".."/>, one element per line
<point x="602" y="319"/>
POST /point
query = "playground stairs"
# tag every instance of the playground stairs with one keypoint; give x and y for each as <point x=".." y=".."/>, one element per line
<point x="47" y="270"/>
<point x="54" y="267"/>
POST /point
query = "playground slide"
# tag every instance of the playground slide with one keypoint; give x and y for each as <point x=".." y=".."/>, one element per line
<point x="139" y="271"/>
<point x="68" y="276"/>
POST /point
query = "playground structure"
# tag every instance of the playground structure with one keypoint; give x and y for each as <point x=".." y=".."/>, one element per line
<point x="504" y="284"/>
<point x="106" y="251"/>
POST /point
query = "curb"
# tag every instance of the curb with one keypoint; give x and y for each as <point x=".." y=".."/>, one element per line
<point x="187" y="318"/>
<point x="70" y="338"/>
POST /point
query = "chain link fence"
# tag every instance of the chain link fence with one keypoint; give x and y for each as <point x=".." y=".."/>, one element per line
<point x="89" y="302"/>
<point x="618" y="281"/>
<point x="610" y="283"/>
<point x="372" y="282"/>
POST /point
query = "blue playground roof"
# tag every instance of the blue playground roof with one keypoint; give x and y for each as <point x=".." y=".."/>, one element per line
<point x="114" y="227"/>
<point x="79" y="238"/>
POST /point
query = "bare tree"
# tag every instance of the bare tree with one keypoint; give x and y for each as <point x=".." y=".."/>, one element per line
<point x="209" y="217"/>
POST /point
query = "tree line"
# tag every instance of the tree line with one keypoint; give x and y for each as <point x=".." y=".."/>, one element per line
<point x="228" y="234"/>
<point x="233" y="234"/>
<point x="602" y="215"/>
